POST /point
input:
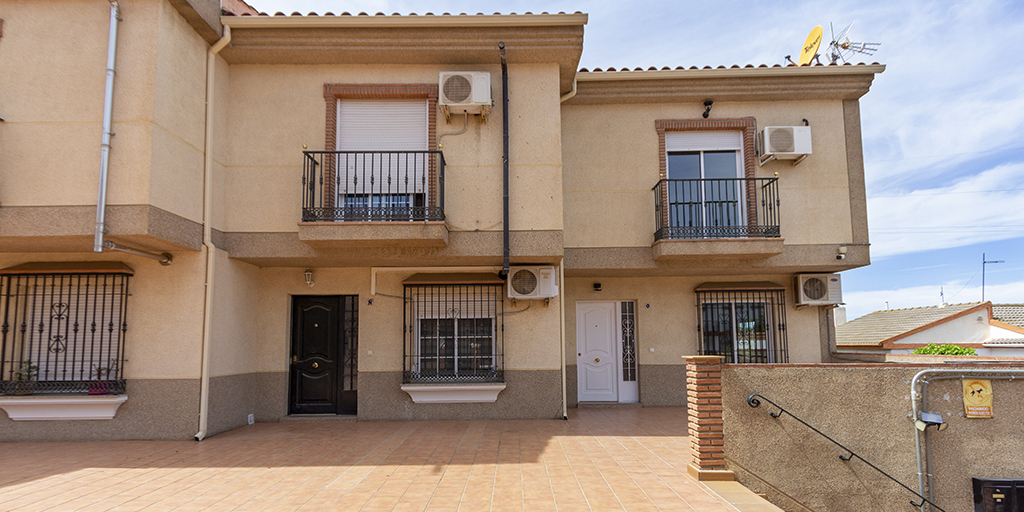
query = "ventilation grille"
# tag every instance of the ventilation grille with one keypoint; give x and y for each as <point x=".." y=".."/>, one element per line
<point x="780" y="140"/>
<point x="524" y="282"/>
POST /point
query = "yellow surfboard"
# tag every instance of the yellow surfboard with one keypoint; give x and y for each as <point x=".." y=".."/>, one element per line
<point x="810" y="48"/>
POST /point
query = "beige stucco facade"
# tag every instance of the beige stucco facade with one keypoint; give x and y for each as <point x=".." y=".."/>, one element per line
<point x="212" y="336"/>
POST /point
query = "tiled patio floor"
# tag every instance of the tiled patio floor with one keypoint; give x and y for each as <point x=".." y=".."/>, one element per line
<point x="601" y="459"/>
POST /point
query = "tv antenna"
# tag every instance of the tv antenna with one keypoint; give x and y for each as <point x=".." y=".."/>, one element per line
<point x="984" y="262"/>
<point x="841" y="48"/>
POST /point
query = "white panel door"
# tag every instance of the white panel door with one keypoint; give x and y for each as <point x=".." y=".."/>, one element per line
<point x="597" y="361"/>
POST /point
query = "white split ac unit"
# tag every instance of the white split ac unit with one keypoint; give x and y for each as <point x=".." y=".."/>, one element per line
<point x="465" y="92"/>
<point x="532" y="283"/>
<point x="784" y="143"/>
<point x="818" y="290"/>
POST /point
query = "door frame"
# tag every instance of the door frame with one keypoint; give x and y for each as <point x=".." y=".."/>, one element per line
<point x="344" y="400"/>
<point x="625" y="391"/>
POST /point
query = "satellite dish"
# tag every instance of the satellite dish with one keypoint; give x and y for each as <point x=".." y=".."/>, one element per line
<point x="841" y="48"/>
<point x="811" y="45"/>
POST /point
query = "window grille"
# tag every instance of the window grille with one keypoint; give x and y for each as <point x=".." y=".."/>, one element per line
<point x="454" y="332"/>
<point x="745" y="324"/>
<point x="63" y="331"/>
<point x="628" y="341"/>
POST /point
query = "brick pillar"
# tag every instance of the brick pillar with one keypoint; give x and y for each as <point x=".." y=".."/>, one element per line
<point x="704" y="411"/>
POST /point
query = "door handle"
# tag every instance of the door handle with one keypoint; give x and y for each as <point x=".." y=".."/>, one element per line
<point x="597" y="360"/>
<point x="295" y="359"/>
<point x="315" y="365"/>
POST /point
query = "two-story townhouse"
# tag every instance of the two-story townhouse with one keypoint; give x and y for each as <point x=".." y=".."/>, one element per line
<point x="345" y="240"/>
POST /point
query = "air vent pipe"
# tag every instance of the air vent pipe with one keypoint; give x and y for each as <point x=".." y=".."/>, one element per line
<point x="504" y="120"/>
<point x="108" y="105"/>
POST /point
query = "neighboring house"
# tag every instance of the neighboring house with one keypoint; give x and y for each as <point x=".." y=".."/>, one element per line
<point x="900" y="331"/>
<point x="336" y="223"/>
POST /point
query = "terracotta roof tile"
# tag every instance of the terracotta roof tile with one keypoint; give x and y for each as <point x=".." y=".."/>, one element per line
<point x="882" y="325"/>
<point x="1012" y="314"/>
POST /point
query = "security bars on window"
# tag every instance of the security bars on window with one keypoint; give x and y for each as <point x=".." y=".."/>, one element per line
<point x="454" y="333"/>
<point x="63" y="333"/>
<point x="744" y="326"/>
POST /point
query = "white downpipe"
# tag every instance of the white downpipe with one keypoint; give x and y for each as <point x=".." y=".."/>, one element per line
<point x="211" y="252"/>
<point x="108" y="107"/>
<point x="561" y="326"/>
<point x="568" y="96"/>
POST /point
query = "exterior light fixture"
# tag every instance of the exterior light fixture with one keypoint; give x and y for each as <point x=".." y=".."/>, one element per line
<point x="707" y="108"/>
<point x="308" y="275"/>
<point x="927" y="419"/>
<point x="597" y="287"/>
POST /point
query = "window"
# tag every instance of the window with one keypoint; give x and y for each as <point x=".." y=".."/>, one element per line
<point x="63" y="328"/>
<point x="707" y="186"/>
<point x="453" y="330"/>
<point x="382" y="170"/>
<point x="745" y="322"/>
<point x="704" y="193"/>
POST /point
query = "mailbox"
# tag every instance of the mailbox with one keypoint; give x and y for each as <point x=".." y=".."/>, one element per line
<point x="998" y="495"/>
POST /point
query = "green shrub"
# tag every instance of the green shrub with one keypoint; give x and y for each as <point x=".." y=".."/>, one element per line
<point x="946" y="350"/>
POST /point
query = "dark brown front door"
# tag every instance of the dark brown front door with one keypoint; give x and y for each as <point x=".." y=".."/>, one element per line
<point x="323" y="358"/>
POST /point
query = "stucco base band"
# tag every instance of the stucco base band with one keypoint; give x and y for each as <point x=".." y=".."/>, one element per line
<point x="157" y="409"/>
<point x="661" y="385"/>
<point x="234" y="397"/>
<point x="62" y="408"/>
<point x="528" y="394"/>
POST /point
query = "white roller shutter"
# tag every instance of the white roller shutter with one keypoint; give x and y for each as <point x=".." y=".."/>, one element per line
<point x="704" y="141"/>
<point x="382" y="125"/>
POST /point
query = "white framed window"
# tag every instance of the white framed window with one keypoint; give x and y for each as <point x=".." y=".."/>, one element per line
<point x="383" y="171"/>
<point x="705" y="192"/>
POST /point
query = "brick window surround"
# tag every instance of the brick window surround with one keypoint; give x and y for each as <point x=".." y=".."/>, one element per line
<point x="335" y="92"/>
<point x="748" y="125"/>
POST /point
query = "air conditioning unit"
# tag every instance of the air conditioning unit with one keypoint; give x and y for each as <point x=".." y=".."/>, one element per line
<point x="532" y="283"/>
<point x="818" y="290"/>
<point x="465" y="92"/>
<point x="784" y="143"/>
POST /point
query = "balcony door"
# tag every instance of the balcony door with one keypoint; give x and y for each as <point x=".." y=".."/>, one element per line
<point x="705" y="194"/>
<point x="383" y="171"/>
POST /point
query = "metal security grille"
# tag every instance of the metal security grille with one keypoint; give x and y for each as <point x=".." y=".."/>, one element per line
<point x="628" y="341"/>
<point x="454" y="333"/>
<point x="745" y="326"/>
<point x="351" y="326"/>
<point x="63" y="332"/>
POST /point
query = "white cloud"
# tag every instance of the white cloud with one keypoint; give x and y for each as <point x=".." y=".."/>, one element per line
<point x="859" y="304"/>
<point x="950" y="216"/>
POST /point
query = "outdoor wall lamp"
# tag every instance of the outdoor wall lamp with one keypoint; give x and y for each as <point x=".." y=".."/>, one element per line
<point x="707" y="108"/>
<point x="597" y="287"/>
<point x="927" y="419"/>
<point x="308" y="275"/>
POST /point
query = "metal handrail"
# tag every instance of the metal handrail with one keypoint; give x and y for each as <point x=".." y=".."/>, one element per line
<point x="716" y="208"/>
<point x="373" y="185"/>
<point x="754" y="401"/>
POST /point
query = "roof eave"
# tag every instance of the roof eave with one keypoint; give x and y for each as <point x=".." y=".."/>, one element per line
<point x="363" y="21"/>
<point x="682" y="74"/>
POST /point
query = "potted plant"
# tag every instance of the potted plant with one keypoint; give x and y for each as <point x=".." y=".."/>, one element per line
<point x="100" y="386"/>
<point x="25" y="377"/>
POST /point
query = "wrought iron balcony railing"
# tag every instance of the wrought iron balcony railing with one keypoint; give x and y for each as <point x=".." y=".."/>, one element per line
<point x="717" y="208"/>
<point x="377" y="186"/>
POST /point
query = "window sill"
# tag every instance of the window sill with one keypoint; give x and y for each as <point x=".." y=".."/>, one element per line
<point x="453" y="393"/>
<point x="56" y="408"/>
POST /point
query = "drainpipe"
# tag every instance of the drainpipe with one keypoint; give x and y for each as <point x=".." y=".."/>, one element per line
<point x="561" y="326"/>
<point x="568" y="96"/>
<point x="211" y="252"/>
<point x="504" y="162"/>
<point x="922" y="377"/>
<point x="108" y="106"/>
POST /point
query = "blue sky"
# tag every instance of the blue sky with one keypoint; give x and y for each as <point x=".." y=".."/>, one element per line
<point x="943" y="127"/>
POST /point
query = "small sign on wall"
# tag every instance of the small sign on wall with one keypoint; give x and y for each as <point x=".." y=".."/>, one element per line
<point x="978" y="398"/>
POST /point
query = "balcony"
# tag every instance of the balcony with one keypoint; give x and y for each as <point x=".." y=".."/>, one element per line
<point x="726" y="218"/>
<point x="373" y="199"/>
